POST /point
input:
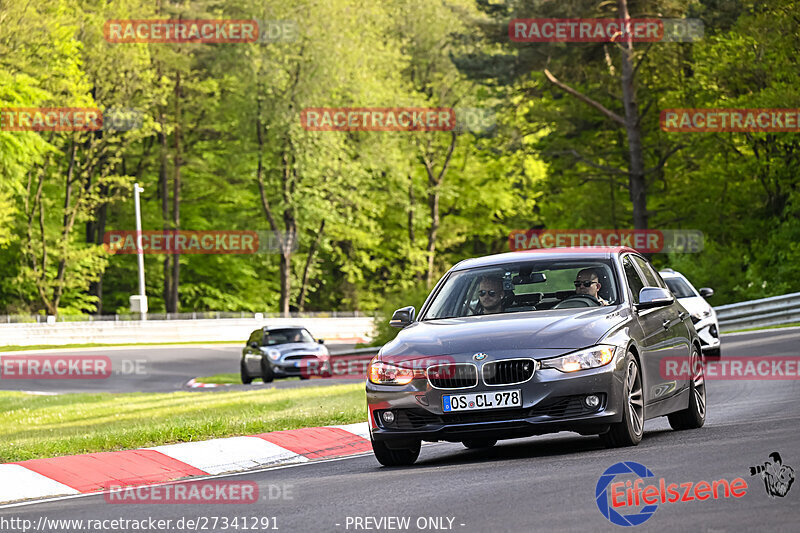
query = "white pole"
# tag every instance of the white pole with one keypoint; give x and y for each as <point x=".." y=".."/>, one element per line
<point x="139" y="247"/>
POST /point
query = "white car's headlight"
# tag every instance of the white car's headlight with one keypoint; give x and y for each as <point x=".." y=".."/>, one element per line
<point x="273" y="354"/>
<point x="593" y="357"/>
<point x="701" y="315"/>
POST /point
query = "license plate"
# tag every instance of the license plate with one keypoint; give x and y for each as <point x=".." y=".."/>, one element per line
<point x="481" y="400"/>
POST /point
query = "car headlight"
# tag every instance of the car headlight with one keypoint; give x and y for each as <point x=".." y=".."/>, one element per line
<point x="697" y="317"/>
<point x="273" y="354"/>
<point x="593" y="357"/>
<point x="382" y="373"/>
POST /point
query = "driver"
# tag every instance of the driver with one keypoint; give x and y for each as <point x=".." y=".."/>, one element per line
<point x="490" y="294"/>
<point x="587" y="283"/>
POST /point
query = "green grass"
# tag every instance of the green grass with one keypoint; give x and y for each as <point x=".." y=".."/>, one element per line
<point x="231" y="378"/>
<point x="16" y="348"/>
<point x="48" y="426"/>
<point x="791" y="325"/>
<point x="221" y="378"/>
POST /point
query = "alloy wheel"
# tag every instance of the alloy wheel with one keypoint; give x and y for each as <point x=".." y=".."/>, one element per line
<point x="635" y="399"/>
<point x="699" y="382"/>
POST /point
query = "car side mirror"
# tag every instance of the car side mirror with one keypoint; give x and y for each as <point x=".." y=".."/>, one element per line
<point x="320" y="341"/>
<point x="254" y="345"/>
<point x="402" y="317"/>
<point x="650" y="297"/>
<point x="706" y="292"/>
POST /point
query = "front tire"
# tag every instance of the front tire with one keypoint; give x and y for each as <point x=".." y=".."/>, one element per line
<point x="390" y="457"/>
<point x="694" y="416"/>
<point x="247" y="379"/>
<point x="629" y="431"/>
<point x="267" y="374"/>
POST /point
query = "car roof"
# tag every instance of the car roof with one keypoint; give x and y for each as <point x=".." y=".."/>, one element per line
<point x="582" y="252"/>
<point x="286" y="326"/>
<point x="669" y="273"/>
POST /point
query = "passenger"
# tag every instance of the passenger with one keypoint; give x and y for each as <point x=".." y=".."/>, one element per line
<point x="490" y="295"/>
<point x="587" y="283"/>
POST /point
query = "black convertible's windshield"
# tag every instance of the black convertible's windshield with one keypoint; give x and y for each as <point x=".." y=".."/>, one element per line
<point x="532" y="286"/>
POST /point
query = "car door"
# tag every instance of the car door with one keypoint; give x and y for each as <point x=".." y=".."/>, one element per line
<point x="652" y="333"/>
<point x="252" y="356"/>
<point x="673" y="341"/>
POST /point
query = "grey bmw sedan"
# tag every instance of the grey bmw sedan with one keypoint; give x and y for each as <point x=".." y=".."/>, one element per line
<point x="535" y="342"/>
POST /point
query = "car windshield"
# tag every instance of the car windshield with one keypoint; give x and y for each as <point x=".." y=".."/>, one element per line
<point x="531" y="286"/>
<point x="680" y="288"/>
<point x="284" y="336"/>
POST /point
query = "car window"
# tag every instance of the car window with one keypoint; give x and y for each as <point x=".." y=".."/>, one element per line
<point x="284" y="336"/>
<point x="518" y="287"/>
<point x="680" y="288"/>
<point x="634" y="280"/>
<point x="659" y="279"/>
<point x="650" y="277"/>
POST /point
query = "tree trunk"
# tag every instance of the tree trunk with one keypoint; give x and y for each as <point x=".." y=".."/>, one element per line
<point x="176" y="196"/>
<point x="301" y="299"/>
<point x="290" y="224"/>
<point x="411" y="202"/>
<point x="434" y="185"/>
<point x="433" y="207"/>
<point x="286" y="240"/>
<point x="163" y="189"/>
<point x="632" y="127"/>
<point x="95" y="232"/>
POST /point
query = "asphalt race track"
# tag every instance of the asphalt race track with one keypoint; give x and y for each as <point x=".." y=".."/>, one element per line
<point x="542" y="483"/>
<point x="155" y="369"/>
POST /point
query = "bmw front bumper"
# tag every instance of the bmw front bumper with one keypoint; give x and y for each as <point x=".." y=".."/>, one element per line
<point x="552" y="401"/>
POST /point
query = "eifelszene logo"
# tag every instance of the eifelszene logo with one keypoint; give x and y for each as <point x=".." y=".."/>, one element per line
<point x="613" y="498"/>
<point x="778" y="477"/>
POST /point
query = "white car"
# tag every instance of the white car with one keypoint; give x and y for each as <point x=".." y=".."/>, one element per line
<point x="703" y="315"/>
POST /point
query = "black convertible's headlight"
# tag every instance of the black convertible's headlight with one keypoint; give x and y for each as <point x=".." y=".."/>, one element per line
<point x="593" y="357"/>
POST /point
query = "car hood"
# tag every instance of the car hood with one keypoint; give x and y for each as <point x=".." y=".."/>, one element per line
<point x="694" y="304"/>
<point x="538" y="333"/>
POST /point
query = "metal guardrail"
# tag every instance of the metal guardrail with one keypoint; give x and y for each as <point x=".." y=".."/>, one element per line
<point x="772" y="311"/>
<point x="199" y="315"/>
<point x="357" y="353"/>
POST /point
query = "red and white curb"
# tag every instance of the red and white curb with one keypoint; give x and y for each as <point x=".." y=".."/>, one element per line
<point x="193" y="384"/>
<point x="79" y="474"/>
